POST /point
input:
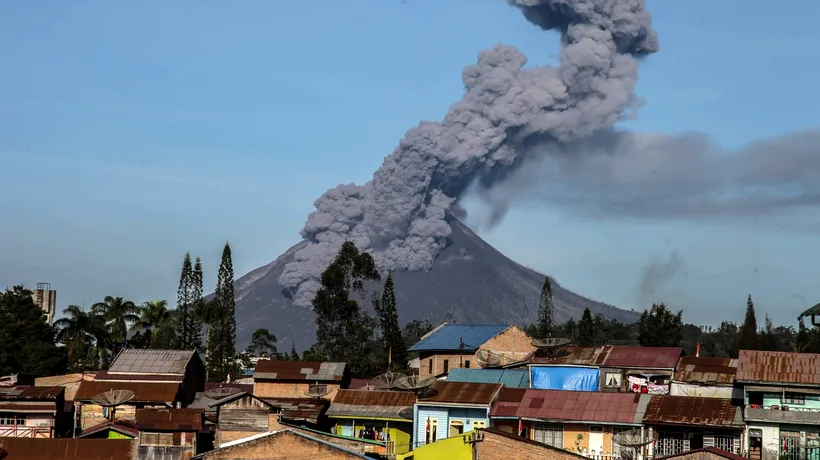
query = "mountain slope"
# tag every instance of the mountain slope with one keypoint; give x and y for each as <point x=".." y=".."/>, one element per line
<point x="470" y="280"/>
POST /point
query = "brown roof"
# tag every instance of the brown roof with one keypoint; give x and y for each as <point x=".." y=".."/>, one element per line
<point x="358" y="384"/>
<point x="69" y="381"/>
<point x="582" y="356"/>
<point x="715" y="371"/>
<point x="462" y="393"/>
<point x="143" y="392"/>
<point x="643" y="357"/>
<point x="169" y="419"/>
<point x="119" y="425"/>
<point x="68" y="449"/>
<point x="243" y="387"/>
<point x="107" y="375"/>
<point x="778" y="367"/>
<point x="713" y="450"/>
<point x="308" y="409"/>
<point x="28" y="392"/>
<point x="33" y="407"/>
<point x="376" y="404"/>
<point x="271" y="369"/>
<point x="518" y="439"/>
<point x="687" y="410"/>
<point x="575" y="406"/>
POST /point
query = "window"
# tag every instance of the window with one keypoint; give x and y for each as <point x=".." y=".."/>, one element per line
<point x="430" y="366"/>
<point x="478" y="424"/>
<point x="551" y="435"/>
<point x="467" y="364"/>
<point x="726" y="443"/>
<point x="446" y="366"/>
<point x="612" y="380"/>
<point x="8" y="419"/>
<point x="432" y="431"/>
<point x="794" y="398"/>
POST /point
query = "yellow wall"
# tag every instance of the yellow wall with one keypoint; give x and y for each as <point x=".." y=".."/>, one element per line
<point x="451" y="449"/>
<point x="571" y="442"/>
<point x="399" y="432"/>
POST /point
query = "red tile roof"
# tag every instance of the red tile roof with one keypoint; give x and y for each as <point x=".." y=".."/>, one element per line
<point x="643" y="357"/>
<point x="143" y="392"/>
<point x="575" y="406"/>
<point x="462" y="393"/>
<point x="778" y="367"/>
<point x="687" y="410"/>
<point x="169" y="419"/>
<point x="68" y="449"/>
<point x="715" y="371"/>
<point x="714" y="450"/>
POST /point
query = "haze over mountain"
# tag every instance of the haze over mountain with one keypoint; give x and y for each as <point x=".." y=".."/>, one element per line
<point x="470" y="280"/>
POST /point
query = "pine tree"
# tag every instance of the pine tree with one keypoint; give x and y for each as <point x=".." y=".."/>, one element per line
<point x="222" y="357"/>
<point x="294" y="355"/>
<point x="586" y="329"/>
<point x="391" y="332"/>
<point x="184" y="302"/>
<point x="748" y="338"/>
<point x="194" y="341"/>
<point x="546" y="311"/>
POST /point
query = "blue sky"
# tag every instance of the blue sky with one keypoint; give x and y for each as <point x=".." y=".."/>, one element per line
<point x="132" y="132"/>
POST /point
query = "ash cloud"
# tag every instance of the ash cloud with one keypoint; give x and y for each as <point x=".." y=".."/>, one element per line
<point x="506" y="110"/>
<point x="657" y="273"/>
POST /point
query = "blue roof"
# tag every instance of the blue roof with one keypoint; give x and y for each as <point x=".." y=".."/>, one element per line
<point x="450" y="337"/>
<point x="512" y="378"/>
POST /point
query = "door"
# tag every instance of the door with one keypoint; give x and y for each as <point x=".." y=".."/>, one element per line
<point x="456" y="428"/>
<point x="596" y="440"/>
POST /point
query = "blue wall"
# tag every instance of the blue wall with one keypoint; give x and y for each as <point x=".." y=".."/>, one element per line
<point x="444" y="415"/>
<point x="565" y="378"/>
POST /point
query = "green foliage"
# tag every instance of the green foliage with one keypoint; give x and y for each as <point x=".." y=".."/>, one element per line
<point x="748" y="339"/>
<point x="27" y="342"/>
<point x="156" y="320"/>
<point x="188" y="327"/>
<point x="391" y="339"/>
<point x="84" y="335"/>
<point x="344" y="331"/>
<point x="294" y="355"/>
<point x="263" y="344"/>
<point x="118" y="314"/>
<point x="546" y="311"/>
<point x="415" y="330"/>
<point x="586" y="330"/>
<point x="659" y="327"/>
<point x="221" y="353"/>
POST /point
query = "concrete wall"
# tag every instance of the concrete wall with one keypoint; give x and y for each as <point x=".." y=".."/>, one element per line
<point x="282" y="445"/>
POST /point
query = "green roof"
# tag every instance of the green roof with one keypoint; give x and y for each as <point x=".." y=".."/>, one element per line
<point x="511" y="378"/>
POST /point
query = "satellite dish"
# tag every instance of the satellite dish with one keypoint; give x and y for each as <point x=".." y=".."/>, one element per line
<point x="416" y="384"/>
<point x="406" y="413"/>
<point x="222" y="392"/>
<point x="550" y="342"/>
<point x="112" y="398"/>
<point x="634" y="439"/>
<point x="486" y="358"/>
<point x="388" y="381"/>
<point x="317" y="391"/>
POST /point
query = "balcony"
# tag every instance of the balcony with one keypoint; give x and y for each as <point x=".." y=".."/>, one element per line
<point x="781" y="414"/>
<point x="21" y="431"/>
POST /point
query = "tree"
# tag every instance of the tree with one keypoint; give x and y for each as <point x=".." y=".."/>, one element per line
<point x="263" y="344"/>
<point x="748" y="339"/>
<point x="81" y="333"/>
<point x="803" y="340"/>
<point x="586" y="329"/>
<point x="27" y="342"/>
<point x="546" y="311"/>
<point x="343" y="331"/>
<point x="194" y="339"/>
<point x="294" y="355"/>
<point x="415" y="330"/>
<point x="188" y="327"/>
<point x="659" y="327"/>
<point x="117" y="313"/>
<point x="392" y="339"/>
<point x="222" y="356"/>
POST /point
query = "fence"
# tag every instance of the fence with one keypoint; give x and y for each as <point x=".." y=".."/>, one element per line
<point x="18" y="431"/>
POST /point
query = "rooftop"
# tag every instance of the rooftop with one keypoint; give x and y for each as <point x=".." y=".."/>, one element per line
<point x="712" y="450"/>
<point x="68" y="449"/>
<point x="508" y="377"/>
<point x="778" y="367"/>
<point x="643" y="357"/>
<point x="458" y="337"/>
<point x="270" y="369"/>
<point x="306" y="409"/>
<point x="579" y="356"/>
<point x="376" y="404"/>
<point x="461" y="393"/>
<point x="31" y="393"/>
<point x="140" y="361"/>
<point x="696" y="411"/>
<point x="258" y="438"/>
<point x="169" y="419"/>
<point x="122" y="426"/>
<point x="571" y="406"/>
<point x="143" y="392"/>
<point x="714" y="371"/>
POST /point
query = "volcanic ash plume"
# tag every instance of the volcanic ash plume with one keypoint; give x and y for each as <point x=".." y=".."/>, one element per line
<point x="400" y="215"/>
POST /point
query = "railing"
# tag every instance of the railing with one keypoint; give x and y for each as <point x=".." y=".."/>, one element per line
<point x="17" y="431"/>
<point x="391" y="448"/>
<point x="603" y="456"/>
<point x="782" y="414"/>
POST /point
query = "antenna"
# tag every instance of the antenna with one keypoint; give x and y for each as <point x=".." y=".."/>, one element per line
<point x="221" y="392"/>
<point x="112" y="399"/>
<point x="388" y="381"/>
<point x="317" y="390"/>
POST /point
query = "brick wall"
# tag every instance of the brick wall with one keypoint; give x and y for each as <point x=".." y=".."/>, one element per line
<point x="512" y="343"/>
<point x="699" y="455"/>
<point x="283" y="445"/>
<point x="499" y="447"/>
<point x="262" y="389"/>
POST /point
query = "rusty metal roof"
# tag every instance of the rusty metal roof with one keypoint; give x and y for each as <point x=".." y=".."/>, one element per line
<point x="29" y="392"/>
<point x="462" y="393"/>
<point x="308" y="409"/>
<point x="143" y="392"/>
<point x="271" y="369"/>
<point x="719" y="453"/>
<point x="169" y="419"/>
<point x="688" y="410"/>
<point x="377" y="404"/>
<point x="106" y="375"/>
<point x="28" y="407"/>
<point x="581" y="356"/>
<point x="123" y="426"/>
<point x="68" y="449"/>
<point x="713" y="371"/>
<point x="243" y="387"/>
<point x="572" y="406"/>
<point x="151" y="361"/>
<point x="643" y="357"/>
<point x="778" y="367"/>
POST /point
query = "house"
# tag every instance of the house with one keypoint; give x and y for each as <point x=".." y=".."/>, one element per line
<point x="781" y="403"/>
<point x="161" y="395"/>
<point x="488" y="444"/>
<point x="242" y="415"/>
<point x="707" y="378"/>
<point x="369" y="447"/>
<point x="170" y="434"/>
<point x="451" y="346"/>
<point x="68" y="449"/>
<point x="71" y="382"/>
<point x="111" y="429"/>
<point x="281" y="444"/>
<point x="511" y="378"/>
<point x="685" y="423"/>
<point x="582" y="422"/>
<point x="302" y="389"/>
<point x="385" y="416"/>
<point x="706" y="453"/>
<point x="451" y="409"/>
<point x="31" y="411"/>
<point x="640" y="369"/>
<point x="570" y="368"/>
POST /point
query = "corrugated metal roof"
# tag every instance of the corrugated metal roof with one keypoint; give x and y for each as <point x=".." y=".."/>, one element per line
<point x="126" y="427"/>
<point x="461" y="393"/>
<point x="580" y="356"/>
<point x="358" y="384"/>
<point x="712" y="450"/>
<point x="170" y="419"/>
<point x="28" y="407"/>
<point x="643" y="357"/>
<point x="145" y="361"/>
<point x="106" y="375"/>
<point x="143" y="392"/>
<point x="454" y="337"/>
<point x="29" y="392"/>
<point x="243" y="387"/>
<point x="271" y="369"/>
<point x="378" y="404"/>
<point x="507" y="377"/>
<point x="68" y="449"/>
<point x="307" y="409"/>
<point x="688" y="410"/>
<point x="575" y="406"/>
<point x="714" y="371"/>
<point x="778" y="367"/>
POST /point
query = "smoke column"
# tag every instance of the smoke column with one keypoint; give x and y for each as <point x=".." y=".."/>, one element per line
<point x="399" y="216"/>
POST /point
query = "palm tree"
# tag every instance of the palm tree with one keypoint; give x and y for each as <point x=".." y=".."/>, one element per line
<point x="81" y="332"/>
<point x="153" y="316"/>
<point x="117" y="313"/>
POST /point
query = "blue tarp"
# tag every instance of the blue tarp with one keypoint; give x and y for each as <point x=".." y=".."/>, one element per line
<point x="565" y="378"/>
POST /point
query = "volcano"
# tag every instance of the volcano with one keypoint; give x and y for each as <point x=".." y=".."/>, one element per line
<point x="470" y="281"/>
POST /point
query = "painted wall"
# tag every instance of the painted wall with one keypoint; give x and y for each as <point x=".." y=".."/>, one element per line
<point x="450" y="449"/>
<point x="420" y="423"/>
<point x="701" y="391"/>
<point x="400" y="432"/>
